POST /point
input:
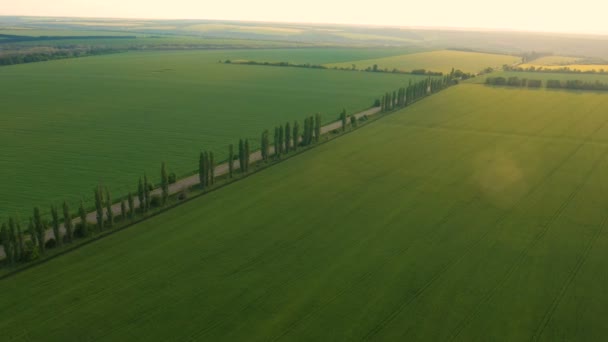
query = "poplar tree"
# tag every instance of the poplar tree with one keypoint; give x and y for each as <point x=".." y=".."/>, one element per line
<point x="109" y="212"/>
<point x="20" y="241"/>
<point x="247" y="155"/>
<point x="211" y="168"/>
<point x="6" y="242"/>
<point x="40" y="229"/>
<point x="287" y="137"/>
<point x="317" y="127"/>
<point x="55" y="218"/>
<point x="147" y="192"/>
<point x="13" y="241"/>
<point x="164" y="183"/>
<point x="230" y="160"/>
<point x="353" y="121"/>
<point x="383" y="105"/>
<point x="83" y="220"/>
<point x="131" y="206"/>
<point x="296" y="135"/>
<point x="343" y="119"/>
<point x="201" y="169"/>
<point x="67" y="223"/>
<point x="99" y="207"/>
<point x="265" y="148"/>
<point x="141" y="195"/>
<point x="242" y="155"/>
<point x="281" y="141"/>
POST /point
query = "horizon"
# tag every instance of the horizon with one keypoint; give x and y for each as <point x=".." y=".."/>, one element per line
<point x="469" y="15"/>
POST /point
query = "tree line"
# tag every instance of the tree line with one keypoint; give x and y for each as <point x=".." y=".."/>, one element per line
<point x="514" y="82"/>
<point x="375" y="68"/>
<point x="32" y="57"/>
<point x="562" y="70"/>
<point x="29" y="243"/>
<point x="577" y="85"/>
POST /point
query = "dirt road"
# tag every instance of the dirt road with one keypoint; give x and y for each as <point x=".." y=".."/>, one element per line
<point x="187" y="182"/>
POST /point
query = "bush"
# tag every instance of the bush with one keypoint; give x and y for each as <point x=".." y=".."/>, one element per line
<point x="182" y="195"/>
<point x="377" y="103"/>
<point x="80" y="231"/>
<point x="51" y="243"/>
<point x="156" y="201"/>
<point x="31" y="252"/>
<point x="172" y="178"/>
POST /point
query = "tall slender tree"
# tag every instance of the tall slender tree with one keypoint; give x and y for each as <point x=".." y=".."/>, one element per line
<point x="6" y="242"/>
<point x="67" y="223"/>
<point x="99" y="207"/>
<point x="287" y="137"/>
<point x="296" y="135"/>
<point x="31" y="229"/>
<point x="147" y="187"/>
<point x="20" y="240"/>
<point x="109" y="211"/>
<point x="141" y="195"/>
<point x="247" y="153"/>
<point x="55" y="221"/>
<point x="343" y="119"/>
<point x="40" y="228"/>
<point x="202" y="169"/>
<point x="230" y="160"/>
<point x="242" y="155"/>
<point x="281" y="144"/>
<point x="317" y="127"/>
<point x="211" y="168"/>
<point x="164" y="183"/>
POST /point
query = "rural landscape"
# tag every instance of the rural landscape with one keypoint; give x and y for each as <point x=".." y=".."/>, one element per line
<point x="236" y="180"/>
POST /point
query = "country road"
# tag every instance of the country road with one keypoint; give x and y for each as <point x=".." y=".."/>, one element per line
<point x="187" y="182"/>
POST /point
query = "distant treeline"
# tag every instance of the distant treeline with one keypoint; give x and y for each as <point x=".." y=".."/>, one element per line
<point x="32" y="57"/>
<point x="8" y="38"/>
<point x="577" y="85"/>
<point x="375" y="68"/>
<point x="514" y="82"/>
<point x="563" y="70"/>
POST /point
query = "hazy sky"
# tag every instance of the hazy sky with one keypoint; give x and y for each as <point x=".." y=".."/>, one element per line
<point x="538" y="15"/>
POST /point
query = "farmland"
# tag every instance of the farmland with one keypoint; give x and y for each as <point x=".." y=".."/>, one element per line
<point x="480" y="208"/>
<point x="68" y="124"/>
<point x="440" y="61"/>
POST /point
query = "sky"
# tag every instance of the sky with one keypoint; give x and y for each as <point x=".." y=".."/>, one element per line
<point x="581" y="16"/>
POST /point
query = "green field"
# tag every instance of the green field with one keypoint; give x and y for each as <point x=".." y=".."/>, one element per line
<point x="442" y="61"/>
<point x="68" y="124"/>
<point x="476" y="215"/>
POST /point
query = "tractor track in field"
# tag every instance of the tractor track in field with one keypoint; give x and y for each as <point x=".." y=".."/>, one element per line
<point x="573" y="274"/>
<point x="519" y="261"/>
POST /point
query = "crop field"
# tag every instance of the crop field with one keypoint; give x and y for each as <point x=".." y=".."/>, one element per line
<point x="554" y="60"/>
<point x="67" y="125"/>
<point x="443" y="61"/>
<point x="477" y="214"/>
<point x="580" y="67"/>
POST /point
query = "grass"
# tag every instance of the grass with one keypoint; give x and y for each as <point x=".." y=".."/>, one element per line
<point x="480" y="208"/>
<point x="70" y="124"/>
<point x="442" y="61"/>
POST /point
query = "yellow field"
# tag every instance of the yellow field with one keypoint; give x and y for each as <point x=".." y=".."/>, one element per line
<point x="443" y="61"/>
